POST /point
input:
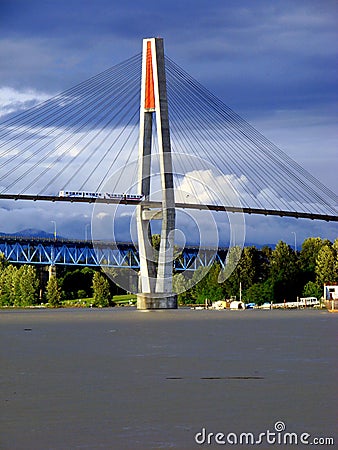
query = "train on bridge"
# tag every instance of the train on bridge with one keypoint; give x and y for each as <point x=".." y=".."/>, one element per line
<point x="104" y="195"/>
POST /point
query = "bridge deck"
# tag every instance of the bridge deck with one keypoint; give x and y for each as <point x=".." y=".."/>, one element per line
<point x="48" y="251"/>
<point x="153" y="204"/>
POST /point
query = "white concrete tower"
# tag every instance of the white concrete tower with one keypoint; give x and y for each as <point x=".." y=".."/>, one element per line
<point x="155" y="273"/>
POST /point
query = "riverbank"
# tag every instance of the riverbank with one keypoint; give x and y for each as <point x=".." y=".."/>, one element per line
<point x="125" y="379"/>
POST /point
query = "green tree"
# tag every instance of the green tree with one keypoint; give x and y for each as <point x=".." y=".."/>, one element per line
<point x="53" y="292"/>
<point x="4" y="294"/>
<point x="259" y="293"/>
<point x="246" y="272"/>
<point x="326" y="266"/>
<point x="26" y="286"/>
<point x="335" y="249"/>
<point x="19" y="287"/>
<point x="284" y="273"/>
<point x="3" y="262"/>
<point x="101" y="291"/>
<point x="182" y="285"/>
<point x="8" y="286"/>
<point x="252" y="272"/>
<point x="16" y="288"/>
<point x="156" y="241"/>
<point x="231" y="274"/>
<point x="248" y="266"/>
<point x="209" y="287"/>
<point x="311" y="289"/>
<point x="264" y="263"/>
<point x="125" y="277"/>
<point x="75" y="280"/>
<point x="309" y="253"/>
<point x="197" y="277"/>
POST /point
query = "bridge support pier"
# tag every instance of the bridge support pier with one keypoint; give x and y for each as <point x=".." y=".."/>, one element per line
<point x="155" y="269"/>
<point x="156" y="301"/>
<point x="52" y="271"/>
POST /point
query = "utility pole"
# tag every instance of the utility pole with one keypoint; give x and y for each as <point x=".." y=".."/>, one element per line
<point x="53" y="221"/>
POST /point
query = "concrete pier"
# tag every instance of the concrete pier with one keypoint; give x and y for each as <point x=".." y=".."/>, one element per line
<point x="156" y="301"/>
<point x="155" y="278"/>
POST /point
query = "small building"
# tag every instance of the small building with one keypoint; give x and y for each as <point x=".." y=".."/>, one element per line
<point x="235" y="304"/>
<point x="330" y="292"/>
<point x="331" y="297"/>
<point x="220" y="304"/>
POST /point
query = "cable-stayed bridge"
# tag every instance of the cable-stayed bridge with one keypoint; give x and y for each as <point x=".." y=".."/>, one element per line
<point x="86" y="140"/>
<point x="110" y="140"/>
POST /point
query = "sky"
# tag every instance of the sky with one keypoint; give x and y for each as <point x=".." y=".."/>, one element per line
<point x="273" y="62"/>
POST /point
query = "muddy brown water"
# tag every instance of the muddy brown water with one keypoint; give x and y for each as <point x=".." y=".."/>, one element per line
<point x="125" y="379"/>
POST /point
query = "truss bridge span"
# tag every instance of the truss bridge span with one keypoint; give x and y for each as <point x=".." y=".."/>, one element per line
<point x="85" y="253"/>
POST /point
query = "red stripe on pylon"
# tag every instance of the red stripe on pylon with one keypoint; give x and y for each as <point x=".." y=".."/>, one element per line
<point x="149" y="102"/>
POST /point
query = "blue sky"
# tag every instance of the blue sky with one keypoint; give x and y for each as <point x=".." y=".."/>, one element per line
<point x="273" y="62"/>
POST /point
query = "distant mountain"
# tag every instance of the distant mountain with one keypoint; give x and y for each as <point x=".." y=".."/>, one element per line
<point x="34" y="233"/>
<point x="259" y="246"/>
<point x="31" y="232"/>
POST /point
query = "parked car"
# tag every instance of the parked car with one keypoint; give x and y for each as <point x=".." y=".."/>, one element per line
<point x="266" y="305"/>
<point x="251" y="305"/>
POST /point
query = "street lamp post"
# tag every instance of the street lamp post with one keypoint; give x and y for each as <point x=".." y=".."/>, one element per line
<point x="52" y="268"/>
<point x="86" y="231"/>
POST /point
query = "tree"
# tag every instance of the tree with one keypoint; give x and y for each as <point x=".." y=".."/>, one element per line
<point x="53" y="292"/>
<point x="4" y="293"/>
<point x="248" y="266"/>
<point x="18" y="287"/>
<point x="8" y="286"/>
<point x="264" y="263"/>
<point x="75" y="280"/>
<point x="252" y="272"/>
<point x="182" y="285"/>
<point x="259" y="293"/>
<point x="209" y="288"/>
<point x="326" y="266"/>
<point x="231" y="273"/>
<point x="122" y="280"/>
<point x="335" y="249"/>
<point x="311" y="289"/>
<point x="27" y="286"/>
<point x="156" y="241"/>
<point x="101" y="291"/>
<point x="3" y="262"/>
<point x="284" y="272"/>
<point x="309" y="253"/>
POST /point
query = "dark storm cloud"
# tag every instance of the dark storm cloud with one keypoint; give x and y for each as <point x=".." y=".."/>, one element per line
<point x="257" y="56"/>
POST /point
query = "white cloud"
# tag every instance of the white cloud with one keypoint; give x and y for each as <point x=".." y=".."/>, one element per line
<point x="71" y="219"/>
<point x="12" y="100"/>
<point x="208" y="187"/>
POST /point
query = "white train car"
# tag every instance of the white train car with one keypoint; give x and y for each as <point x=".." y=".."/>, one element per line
<point x="103" y="195"/>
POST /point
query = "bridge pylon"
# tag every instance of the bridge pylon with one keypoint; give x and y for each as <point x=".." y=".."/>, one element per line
<point x="155" y="280"/>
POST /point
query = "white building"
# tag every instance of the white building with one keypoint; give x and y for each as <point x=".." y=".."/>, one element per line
<point x="330" y="292"/>
<point x="237" y="305"/>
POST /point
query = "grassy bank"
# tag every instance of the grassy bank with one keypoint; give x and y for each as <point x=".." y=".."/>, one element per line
<point x="119" y="300"/>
